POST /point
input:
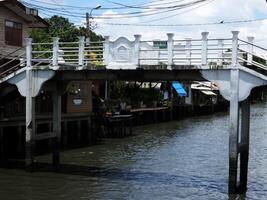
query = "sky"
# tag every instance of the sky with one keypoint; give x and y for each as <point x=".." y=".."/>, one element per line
<point x="209" y="12"/>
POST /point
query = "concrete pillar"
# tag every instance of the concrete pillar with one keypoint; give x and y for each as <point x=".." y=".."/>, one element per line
<point x="30" y="110"/>
<point x="170" y="50"/>
<point x="234" y="121"/>
<point x="188" y="46"/>
<point x="234" y="131"/>
<point x="56" y="127"/>
<point x="106" y="56"/>
<point x="250" y="49"/>
<point x="244" y="145"/>
<point x="81" y="51"/>
<point x="204" y="51"/>
<point x="235" y="47"/>
<point x="55" y="52"/>
<point x="137" y="50"/>
<point x="220" y="53"/>
<point x="30" y="133"/>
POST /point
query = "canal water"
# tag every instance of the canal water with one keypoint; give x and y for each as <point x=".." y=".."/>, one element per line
<point x="186" y="159"/>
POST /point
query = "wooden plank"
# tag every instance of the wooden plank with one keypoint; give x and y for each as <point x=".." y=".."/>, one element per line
<point x="43" y="136"/>
<point x="148" y="109"/>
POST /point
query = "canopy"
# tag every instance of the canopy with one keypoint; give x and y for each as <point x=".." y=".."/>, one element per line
<point x="179" y="89"/>
<point x="208" y="92"/>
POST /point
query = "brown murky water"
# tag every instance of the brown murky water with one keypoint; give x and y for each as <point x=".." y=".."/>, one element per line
<point x="185" y="159"/>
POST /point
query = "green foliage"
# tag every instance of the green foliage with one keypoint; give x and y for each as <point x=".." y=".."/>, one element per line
<point x="133" y="94"/>
<point x="62" y="28"/>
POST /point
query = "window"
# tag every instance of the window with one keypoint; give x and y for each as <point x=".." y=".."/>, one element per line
<point x="13" y="33"/>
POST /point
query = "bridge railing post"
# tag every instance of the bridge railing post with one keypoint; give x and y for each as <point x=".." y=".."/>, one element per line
<point x="188" y="52"/>
<point x="204" y="50"/>
<point x="250" y="50"/>
<point x="235" y="48"/>
<point x="220" y="53"/>
<point x="137" y="50"/>
<point x="106" y="51"/>
<point x="29" y="52"/>
<point x="170" y="50"/>
<point x="55" y="53"/>
<point x="81" y="51"/>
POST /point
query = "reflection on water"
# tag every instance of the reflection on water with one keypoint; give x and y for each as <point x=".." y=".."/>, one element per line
<point x="185" y="159"/>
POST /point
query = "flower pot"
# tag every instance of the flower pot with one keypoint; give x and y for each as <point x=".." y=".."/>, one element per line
<point x="77" y="102"/>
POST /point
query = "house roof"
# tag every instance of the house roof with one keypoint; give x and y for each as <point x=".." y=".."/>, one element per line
<point x="21" y="10"/>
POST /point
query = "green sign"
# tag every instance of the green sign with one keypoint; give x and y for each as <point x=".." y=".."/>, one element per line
<point x="160" y="44"/>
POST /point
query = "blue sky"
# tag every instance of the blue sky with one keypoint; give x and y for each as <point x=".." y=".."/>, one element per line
<point x="214" y="11"/>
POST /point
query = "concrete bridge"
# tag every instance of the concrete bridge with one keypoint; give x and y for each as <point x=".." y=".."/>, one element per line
<point x="228" y="62"/>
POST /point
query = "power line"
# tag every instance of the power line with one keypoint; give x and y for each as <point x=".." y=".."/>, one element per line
<point x="170" y="16"/>
<point x="86" y="7"/>
<point x="148" y="5"/>
<point x="116" y="16"/>
<point x="196" y="24"/>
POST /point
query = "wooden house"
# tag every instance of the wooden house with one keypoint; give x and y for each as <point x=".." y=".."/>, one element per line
<point x="15" y="22"/>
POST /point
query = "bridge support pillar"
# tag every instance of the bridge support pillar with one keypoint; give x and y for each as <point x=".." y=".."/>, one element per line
<point x="30" y="133"/>
<point x="238" y="147"/>
<point x="56" y="127"/>
<point x="239" y="150"/>
<point x="244" y="144"/>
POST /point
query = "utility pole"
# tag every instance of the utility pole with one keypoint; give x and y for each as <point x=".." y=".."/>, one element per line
<point x="87" y="25"/>
<point x="88" y="16"/>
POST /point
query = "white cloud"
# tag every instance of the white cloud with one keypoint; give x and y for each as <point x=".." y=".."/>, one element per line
<point x="216" y="11"/>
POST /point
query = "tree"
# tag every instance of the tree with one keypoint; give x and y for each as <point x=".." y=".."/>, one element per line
<point x="62" y="28"/>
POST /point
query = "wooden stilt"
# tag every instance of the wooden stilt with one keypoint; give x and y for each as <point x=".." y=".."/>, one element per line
<point x="19" y="147"/>
<point x="56" y="127"/>
<point x="89" y="131"/>
<point x="50" y="130"/>
<point x="65" y="134"/>
<point x="79" y="132"/>
<point x="1" y="144"/>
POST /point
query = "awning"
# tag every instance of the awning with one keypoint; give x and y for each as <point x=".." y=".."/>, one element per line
<point x="179" y="89"/>
<point x="208" y="92"/>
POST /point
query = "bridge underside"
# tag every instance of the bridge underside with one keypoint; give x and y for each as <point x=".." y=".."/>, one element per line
<point x="130" y="75"/>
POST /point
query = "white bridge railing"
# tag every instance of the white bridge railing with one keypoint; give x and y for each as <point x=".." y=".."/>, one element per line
<point x="167" y="54"/>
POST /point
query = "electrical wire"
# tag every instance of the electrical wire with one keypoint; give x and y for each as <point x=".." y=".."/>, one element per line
<point x="183" y="25"/>
<point x="119" y="16"/>
<point x="59" y="11"/>
<point x="170" y="16"/>
<point x="155" y="8"/>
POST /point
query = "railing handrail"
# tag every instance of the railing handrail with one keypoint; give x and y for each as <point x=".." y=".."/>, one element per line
<point x="10" y="61"/>
<point x="253" y="44"/>
<point x="12" y="52"/>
